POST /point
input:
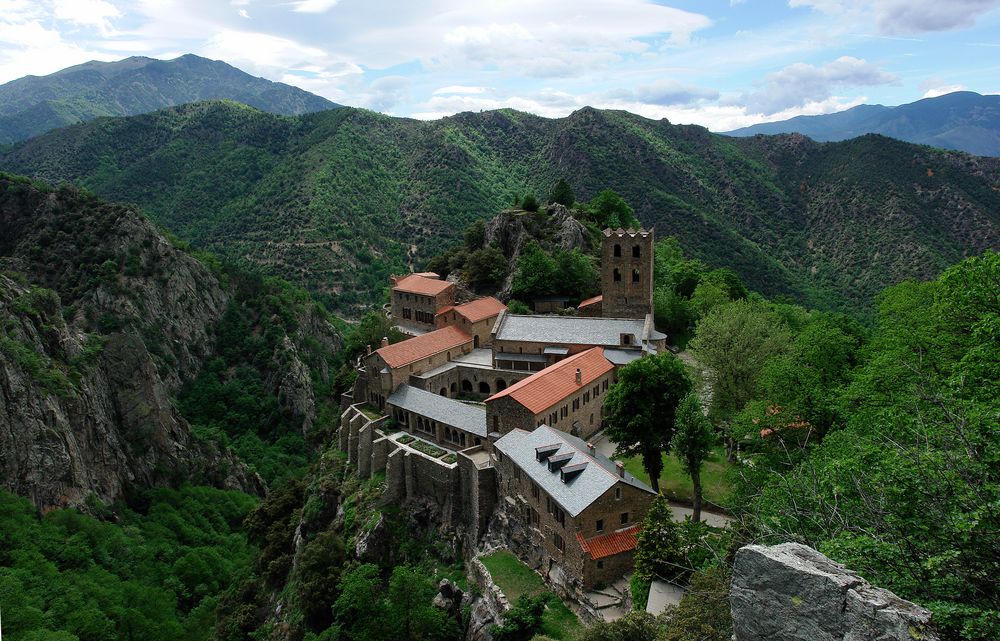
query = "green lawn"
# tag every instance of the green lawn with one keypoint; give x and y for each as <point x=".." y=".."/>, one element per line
<point x="515" y="579"/>
<point x="371" y="412"/>
<point x="676" y="485"/>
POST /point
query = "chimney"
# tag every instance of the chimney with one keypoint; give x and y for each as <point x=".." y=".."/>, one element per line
<point x="579" y="376"/>
<point x="621" y="468"/>
<point x="590" y="446"/>
<point x="385" y="341"/>
<point x="368" y="349"/>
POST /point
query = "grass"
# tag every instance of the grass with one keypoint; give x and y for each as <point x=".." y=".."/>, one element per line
<point x="515" y="579"/>
<point x="372" y="413"/>
<point x="676" y="485"/>
<point x="428" y="448"/>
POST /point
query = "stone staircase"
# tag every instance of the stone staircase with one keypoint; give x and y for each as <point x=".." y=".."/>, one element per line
<point x="610" y="602"/>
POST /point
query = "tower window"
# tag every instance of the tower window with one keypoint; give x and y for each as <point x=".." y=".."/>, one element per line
<point x="618" y="251"/>
<point x="618" y="274"/>
<point x="635" y="251"/>
<point x="635" y="275"/>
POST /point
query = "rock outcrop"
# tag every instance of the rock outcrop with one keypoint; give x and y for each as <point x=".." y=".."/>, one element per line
<point x="511" y="229"/>
<point x="790" y="592"/>
<point x="102" y="320"/>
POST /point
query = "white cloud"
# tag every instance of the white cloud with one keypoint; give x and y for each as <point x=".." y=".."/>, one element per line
<point x="96" y="14"/>
<point x="934" y="87"/>
<point x="314" y="6"/>
<point x="800" y="84"/>
<point x="908" y="16"/>
<point x="664" y="93"/>
<point x="243" y="13"/>
<point x="460" y="89"/>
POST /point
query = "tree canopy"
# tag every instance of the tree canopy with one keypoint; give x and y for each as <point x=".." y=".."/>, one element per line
<point x="641" y="407"/>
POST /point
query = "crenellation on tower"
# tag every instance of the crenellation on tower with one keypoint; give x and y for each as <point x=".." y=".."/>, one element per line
<point x="627" y="273"/>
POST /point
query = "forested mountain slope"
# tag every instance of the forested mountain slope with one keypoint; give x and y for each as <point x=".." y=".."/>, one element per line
<point x="962" y="120"/>
<point x="336" y="200"/>
<point x="33" y="105"/>
<point x="102" y="323"/>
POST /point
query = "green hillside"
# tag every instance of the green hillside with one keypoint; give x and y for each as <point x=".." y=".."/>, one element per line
<point x="337" y="200"/>
<point x="33" y="105"/>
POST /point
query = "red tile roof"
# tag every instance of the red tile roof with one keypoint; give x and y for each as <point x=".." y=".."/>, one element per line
<point x="604" y="545"/>
<point x="541" y="391"/>
<point x="590" y="301"/>
<point x="413" y="349"/>
<point x="477" y="310"/>
<point x="418" y="284"/>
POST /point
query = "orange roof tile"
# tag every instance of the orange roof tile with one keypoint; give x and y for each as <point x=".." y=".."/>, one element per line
<point x="477" y="310"/>
<point x="590" y="301"/>
<point x="604" y="545"/>
<point x="541" y="391"/>
<point x="413" y="349"/>
<point x="417" y="284"/>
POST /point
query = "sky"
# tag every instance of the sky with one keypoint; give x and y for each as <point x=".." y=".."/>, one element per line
<point x="722" y="64"/>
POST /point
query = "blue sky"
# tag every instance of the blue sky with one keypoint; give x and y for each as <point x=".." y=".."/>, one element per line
<point x="719" y="63"/>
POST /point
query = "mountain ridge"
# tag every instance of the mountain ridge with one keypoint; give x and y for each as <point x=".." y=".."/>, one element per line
<point x="32" y="105"/>
<point x="960" y="121"/>
<point x="337" y="200"/>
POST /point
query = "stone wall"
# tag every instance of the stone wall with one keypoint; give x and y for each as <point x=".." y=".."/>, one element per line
<point x="407" y="307"/>
<point x="627" y="274"/>
<point x="790" y="592"/>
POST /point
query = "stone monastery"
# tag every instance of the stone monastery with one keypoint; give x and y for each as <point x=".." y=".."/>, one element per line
<point x="487" y="415"/>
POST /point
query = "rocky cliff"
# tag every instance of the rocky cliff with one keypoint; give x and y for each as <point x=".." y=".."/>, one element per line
<point x="790" y="592"/>
<point x="102" y="320"/>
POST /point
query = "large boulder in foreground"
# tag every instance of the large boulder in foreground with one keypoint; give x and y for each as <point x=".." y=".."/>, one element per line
<point x="791" y="592"/>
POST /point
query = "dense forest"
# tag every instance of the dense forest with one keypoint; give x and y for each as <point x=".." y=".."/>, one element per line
<point x="875" y="443"/>
<point x="337" y="200"/>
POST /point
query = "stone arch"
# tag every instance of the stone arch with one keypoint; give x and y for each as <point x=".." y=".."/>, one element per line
<point x="501" y="385"/>
<point x="444" y="391"/>
<point x="454" y="387"/>
<point x="475" y="341"/>
<point x="484" y="387"/>
<point x="466" y="385"/>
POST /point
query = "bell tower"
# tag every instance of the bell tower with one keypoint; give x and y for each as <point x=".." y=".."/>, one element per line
<point x="627" y="273"/>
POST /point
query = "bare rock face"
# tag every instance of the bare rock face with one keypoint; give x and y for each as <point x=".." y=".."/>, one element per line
<point x="790" y="592"/>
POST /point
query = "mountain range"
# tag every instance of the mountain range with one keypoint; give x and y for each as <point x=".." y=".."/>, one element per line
<point x="35" y="104"/>
<point x="963" y="120"/>
<point x="336" y="200"/>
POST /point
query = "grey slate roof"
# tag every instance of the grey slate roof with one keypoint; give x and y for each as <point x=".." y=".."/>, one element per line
<point x="571" y="330"/>
<point x="444" y="410"/>
<point x="575" y="495"/>
<point x="622" y="356"/>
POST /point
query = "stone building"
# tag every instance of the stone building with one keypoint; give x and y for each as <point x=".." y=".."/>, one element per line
<point x="568" y="396"/>
<point x="390" y="366"/>
<point x="476" y="318"/>
<point x="580" y="508"/>
<point x="416" y="299"/>
<point x="444" y="421"/>
<point x="533" y="342"/>
<point x="626" y="273"/>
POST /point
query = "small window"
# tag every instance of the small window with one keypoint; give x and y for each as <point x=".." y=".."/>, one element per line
<point x="618" y="275"/>
<point x="624" y="518"/>
<point x="635" y="275"/>
<point x="618" y="251"/>
<point x="534" y="491"/>
<point x="600" y="525"/>
<point x="618" y="494"/>
<point x="635" y="251"/>
<point x="560" y="544"/>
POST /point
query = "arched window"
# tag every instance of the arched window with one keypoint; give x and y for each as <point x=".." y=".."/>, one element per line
<point x="618" y="275"/>
<point x="444" y="391"/>
<point x="635" y="275"/>
<point x="454" y="387"/>
<point x="618" y="251"/>
<point x="484" y="387"/>
<point x="635" y="251"/>
<point x="466" y="385"/>
<point x="501" y="385"/>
